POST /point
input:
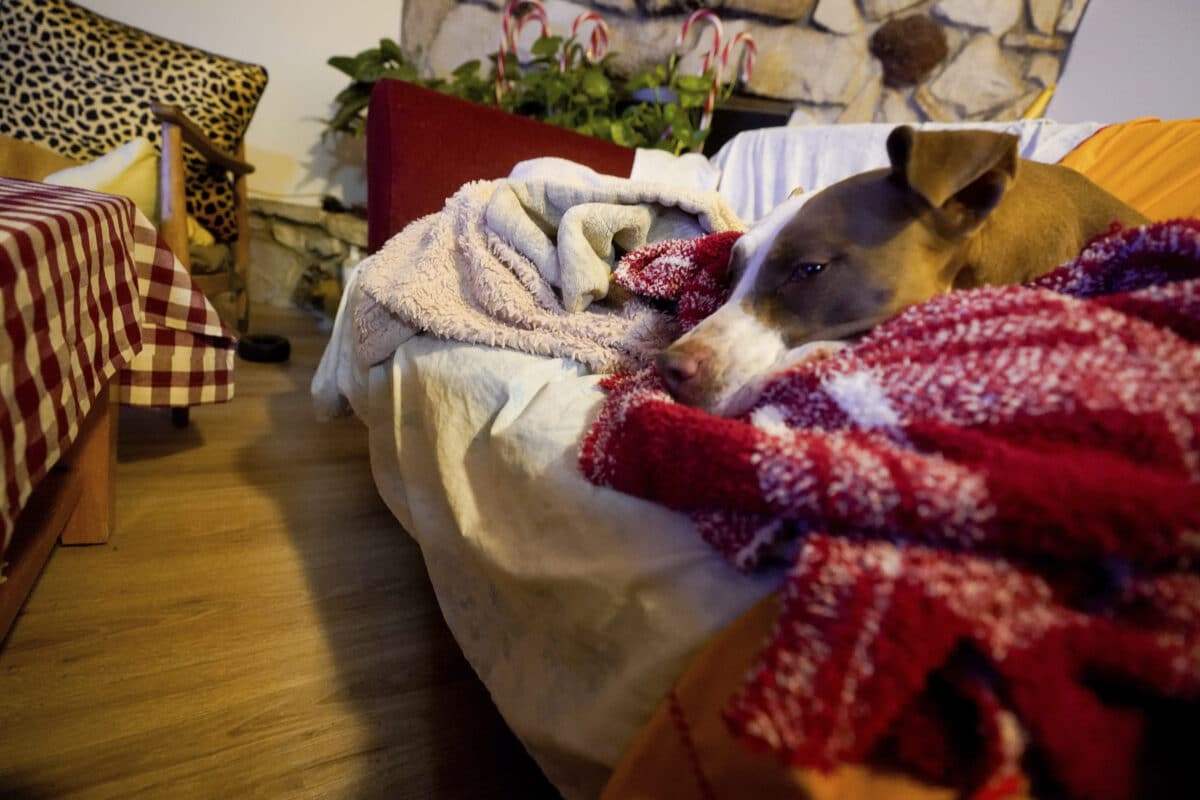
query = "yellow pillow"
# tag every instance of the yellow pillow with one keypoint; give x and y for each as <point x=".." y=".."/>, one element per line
<point x="27" y="161"/>
<point x="131" y="171"/>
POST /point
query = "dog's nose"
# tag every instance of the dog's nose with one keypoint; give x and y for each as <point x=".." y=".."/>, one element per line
<point x="677" y="368"/>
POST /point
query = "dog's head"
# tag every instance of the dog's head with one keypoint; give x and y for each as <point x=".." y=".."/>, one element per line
<point x="831" y="265"/>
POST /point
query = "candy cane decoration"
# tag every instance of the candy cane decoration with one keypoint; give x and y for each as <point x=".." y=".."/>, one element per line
<point x="598" y="48"/>
<point x="598" y="43"/>
<point x="749" y="51"/>
<point x="510" y="31"/>
<point x="706" y="16"/>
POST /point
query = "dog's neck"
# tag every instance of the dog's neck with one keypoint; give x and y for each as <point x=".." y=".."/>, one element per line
<point x="991" y="256"/>
<point x="1032" y="230"/>
<point x="1045" y="219"/>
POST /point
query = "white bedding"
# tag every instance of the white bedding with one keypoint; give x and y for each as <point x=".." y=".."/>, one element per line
<point x="814" y="156"/>
<point x="576" y="605"/>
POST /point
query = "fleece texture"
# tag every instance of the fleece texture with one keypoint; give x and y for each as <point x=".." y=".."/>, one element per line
<point x="511" y="263"/>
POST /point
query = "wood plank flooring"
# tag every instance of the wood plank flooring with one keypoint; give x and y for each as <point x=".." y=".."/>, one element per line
<point x="258" y="626"/>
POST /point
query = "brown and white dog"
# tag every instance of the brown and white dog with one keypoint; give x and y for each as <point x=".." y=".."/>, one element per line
<point x="956" y="209"/>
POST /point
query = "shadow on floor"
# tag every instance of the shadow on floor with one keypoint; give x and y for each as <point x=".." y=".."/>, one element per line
<point x="432" y="730"/>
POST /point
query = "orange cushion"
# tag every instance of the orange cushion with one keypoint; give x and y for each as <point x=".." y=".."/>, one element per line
<point x="1153" y="165"/>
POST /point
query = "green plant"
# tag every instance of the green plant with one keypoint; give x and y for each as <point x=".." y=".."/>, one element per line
<point x="657" y="108"/>
<point x="365" y="69"/>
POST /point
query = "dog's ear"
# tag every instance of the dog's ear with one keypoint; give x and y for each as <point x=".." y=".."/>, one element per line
<point x="962" y="174"/>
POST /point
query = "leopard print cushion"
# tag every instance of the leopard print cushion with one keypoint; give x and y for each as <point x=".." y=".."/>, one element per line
<point x="82" y="84"/>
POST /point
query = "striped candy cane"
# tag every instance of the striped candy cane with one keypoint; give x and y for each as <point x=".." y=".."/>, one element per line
<point x="704" y="15"/>
<point x="598" y="42"/>
<point x="510" y="32"/>
<point x="749" y="51"/>
<point x="598" y="48"/>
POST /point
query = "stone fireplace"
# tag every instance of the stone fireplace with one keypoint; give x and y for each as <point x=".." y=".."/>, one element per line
<point x="831" y="60"/>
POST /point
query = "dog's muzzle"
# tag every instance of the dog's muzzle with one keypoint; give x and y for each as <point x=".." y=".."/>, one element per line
<point x="681" y="370"/>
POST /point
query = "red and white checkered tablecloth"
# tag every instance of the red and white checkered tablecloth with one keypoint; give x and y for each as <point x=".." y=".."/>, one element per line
<point x="88" y="291"/>
<point x="188" y="353"/>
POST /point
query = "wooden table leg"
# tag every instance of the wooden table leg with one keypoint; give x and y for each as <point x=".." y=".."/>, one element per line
<point x="93" y="457"/>
<point x="43" y="518"/>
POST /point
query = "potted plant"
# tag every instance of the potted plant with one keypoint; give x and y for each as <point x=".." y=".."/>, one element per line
<point x="657" y="108"/>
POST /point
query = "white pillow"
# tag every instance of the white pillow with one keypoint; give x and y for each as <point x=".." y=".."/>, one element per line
<point x="130" y="170"/>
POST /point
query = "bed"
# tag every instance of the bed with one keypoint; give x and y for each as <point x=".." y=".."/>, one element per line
<point x="580" y="607"/>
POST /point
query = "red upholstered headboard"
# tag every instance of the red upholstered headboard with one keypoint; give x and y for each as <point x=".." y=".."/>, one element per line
<point x="423" y="145"/>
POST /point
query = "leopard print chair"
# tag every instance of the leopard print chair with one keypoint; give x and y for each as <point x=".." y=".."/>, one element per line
<point x="81" y="85"/>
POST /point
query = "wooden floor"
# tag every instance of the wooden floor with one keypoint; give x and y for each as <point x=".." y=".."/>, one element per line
<point x="259" y="626"/>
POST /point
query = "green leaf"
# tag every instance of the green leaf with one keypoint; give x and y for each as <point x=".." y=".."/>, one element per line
<point x="403" y="72"/>
<point x="369" y="73"/>
<point x="469" y="69"/>
<point x="693" y="83"/>
<point x="675" y="115"/>
<point x="643" y="80"/>
<point x="391" y="50"/>
<point x="595" y="84"/>
<point x="546" y="46"/>
<point x="367" y="66"/>
<point x="621" y="134"/>
<point x="346" y="64"/>
<point x="353" y="91"/>
<point x="348" y="111"/>
<point x="574" y="54"/>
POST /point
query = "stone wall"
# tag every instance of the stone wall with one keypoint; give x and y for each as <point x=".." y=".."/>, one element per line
<point x="300" y="254"/>
<point x="834" y="60"/>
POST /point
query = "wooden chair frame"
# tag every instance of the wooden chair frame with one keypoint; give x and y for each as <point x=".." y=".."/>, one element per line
<point x="178" y="130"/>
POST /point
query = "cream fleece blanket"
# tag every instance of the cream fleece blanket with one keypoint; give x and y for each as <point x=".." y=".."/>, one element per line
<point x="515" y="263"/>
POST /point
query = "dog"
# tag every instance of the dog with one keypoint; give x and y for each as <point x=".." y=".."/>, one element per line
<point x="956" y="209"/>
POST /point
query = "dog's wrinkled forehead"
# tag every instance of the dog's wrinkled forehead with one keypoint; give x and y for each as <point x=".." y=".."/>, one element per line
<point x="752" y="249"/>
<point x="865" y="211"/>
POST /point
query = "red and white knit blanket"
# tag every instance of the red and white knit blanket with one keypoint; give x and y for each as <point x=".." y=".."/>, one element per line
<point x="991" y="509"/>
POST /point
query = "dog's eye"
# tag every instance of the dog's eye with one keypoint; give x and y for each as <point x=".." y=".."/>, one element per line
<point x="808" y="269"/>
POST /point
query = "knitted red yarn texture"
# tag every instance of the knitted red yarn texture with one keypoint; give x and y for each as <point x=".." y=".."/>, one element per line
<point x="990" y="506"/>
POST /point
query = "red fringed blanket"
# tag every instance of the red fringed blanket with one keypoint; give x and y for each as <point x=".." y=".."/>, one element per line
<point x="991" y="508"/>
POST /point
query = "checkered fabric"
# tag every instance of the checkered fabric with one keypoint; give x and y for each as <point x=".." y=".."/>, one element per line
<point x="69" y="300"/>
<point x="188" y="353"/>
<point x="89" y="291"/>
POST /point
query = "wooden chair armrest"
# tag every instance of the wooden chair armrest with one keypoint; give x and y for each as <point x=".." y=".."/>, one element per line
<point x="173" y="115"/>
<point x="177" y="129"/>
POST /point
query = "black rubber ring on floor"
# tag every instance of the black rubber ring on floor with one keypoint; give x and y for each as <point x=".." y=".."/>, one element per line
<point x="264" y="347"/>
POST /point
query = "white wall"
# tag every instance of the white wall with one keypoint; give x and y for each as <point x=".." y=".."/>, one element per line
<point x="292" y="39"/>
<point x="1132" y="58"/>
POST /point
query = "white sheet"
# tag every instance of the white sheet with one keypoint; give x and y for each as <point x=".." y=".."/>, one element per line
<point x="577" y="606"/>
<point x="758" y="169"/>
